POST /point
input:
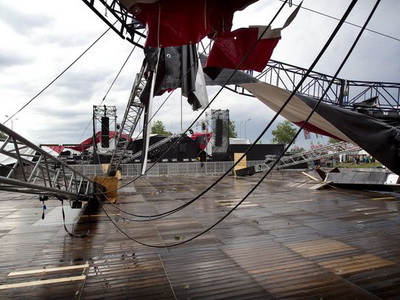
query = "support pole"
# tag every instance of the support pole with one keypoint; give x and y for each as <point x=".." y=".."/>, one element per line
<point x="148" y="117"/>
<point x="147" y="127"/>
<point x="94" y="145"/>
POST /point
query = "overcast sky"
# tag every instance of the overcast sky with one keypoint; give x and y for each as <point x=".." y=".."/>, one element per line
<point x="41" y="38"/>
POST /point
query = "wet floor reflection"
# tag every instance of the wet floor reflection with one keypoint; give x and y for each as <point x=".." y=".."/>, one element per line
<point x="284" y="241"/>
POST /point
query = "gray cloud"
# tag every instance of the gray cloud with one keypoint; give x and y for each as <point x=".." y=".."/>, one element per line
<point x="22" y="22"/>
<point x="64" y="110"/>
<point x="74" y="86"/>
<point x="65" y="40"/>
<point x="13" y="59"/>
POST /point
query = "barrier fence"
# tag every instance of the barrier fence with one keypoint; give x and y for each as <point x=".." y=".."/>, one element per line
<point x="166" y="169"/>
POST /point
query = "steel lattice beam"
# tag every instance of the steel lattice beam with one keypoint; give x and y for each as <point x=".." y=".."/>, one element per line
<point x="133" y="111"/>
<point x="125" y="25"/>
<point x="32" y="170"/>
<point x="343" y="92"/>
<point x="329" y="151"/>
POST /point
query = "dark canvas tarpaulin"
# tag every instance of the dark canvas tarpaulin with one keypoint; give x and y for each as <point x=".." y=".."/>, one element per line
<point x="193" y="82"/>
<point x="296" y="111"/>
<point x="178" y="67"/>
<point x="220" y="76"/>
<point x="378" y="138"/>
<point x="348" y="177"/>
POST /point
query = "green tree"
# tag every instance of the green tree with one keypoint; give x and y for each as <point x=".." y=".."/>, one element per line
<point x="283" y="133"/>
<point x="232" y="131"/>
<point x="159" y="128"/>
<point x="333" y="141"/>
<point x="3" y="136"/>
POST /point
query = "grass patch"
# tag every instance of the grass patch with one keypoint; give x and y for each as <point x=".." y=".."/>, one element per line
<point x="360" y="165"/>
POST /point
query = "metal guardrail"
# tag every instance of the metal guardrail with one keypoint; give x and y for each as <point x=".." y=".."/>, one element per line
<point x="30" y="169"/>
<point x="166" y="168"/>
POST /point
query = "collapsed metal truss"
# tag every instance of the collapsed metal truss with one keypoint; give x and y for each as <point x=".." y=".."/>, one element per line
<point x="30" y="169"/>
<point x="133" y="111"/>
<point x="125" y="25"/>
<point x="329" y="151"/>
<point x="342" y="92"/>
<point x="152" y="147"/>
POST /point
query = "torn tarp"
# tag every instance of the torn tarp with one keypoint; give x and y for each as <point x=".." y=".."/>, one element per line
<point x="375" y="135"/>
<point x="246" y="48"/>
<point x="232" y="49"/>
<point x="177" y="67"/>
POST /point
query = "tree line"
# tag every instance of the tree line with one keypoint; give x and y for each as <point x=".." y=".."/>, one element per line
<point x="283" y="134"/>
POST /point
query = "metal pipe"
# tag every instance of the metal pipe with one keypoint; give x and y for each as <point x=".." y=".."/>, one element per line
<point x="23" y="184"/>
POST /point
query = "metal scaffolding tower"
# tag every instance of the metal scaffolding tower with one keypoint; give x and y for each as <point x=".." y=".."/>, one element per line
<point x="104" y="117"/>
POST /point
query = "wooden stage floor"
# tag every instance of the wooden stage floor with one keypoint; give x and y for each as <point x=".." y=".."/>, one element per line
<point x="285" y="241"/>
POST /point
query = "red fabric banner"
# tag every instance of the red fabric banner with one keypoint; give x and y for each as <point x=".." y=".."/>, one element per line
<point x="230" y="48"/>
<point x="246" y="48"/>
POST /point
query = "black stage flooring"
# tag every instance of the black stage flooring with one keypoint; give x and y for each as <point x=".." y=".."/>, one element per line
<point x="285" y="241"/>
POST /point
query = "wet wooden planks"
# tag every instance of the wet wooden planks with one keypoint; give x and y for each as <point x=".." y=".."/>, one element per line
<point x="286" y="274"/>
<point x="38" y="282"/>
<point x="384" y="283"/>
<point x="285" y="242"/>
<point x="127" y="276"/>
<point x="210" y="274"/>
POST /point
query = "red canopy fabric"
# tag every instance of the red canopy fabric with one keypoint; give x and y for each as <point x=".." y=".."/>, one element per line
<point x="86" y="144"/>
<point x="181" y="22"/>
<point x="202" y="138"/>
<point x="230" y="49"/>
<point x="57" y="149"/>
<point x="246" y="48"/>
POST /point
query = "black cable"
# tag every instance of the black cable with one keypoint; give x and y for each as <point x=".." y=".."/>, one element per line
<point x="209" y="104"/>
<point x="119" y="72"/>
<point x="159" y="108"/>
<point x="65" y="226"/>
<point x="281" y="155"/>
<point x="157" y="216"/>
<point x="148" y="122"/>
<point x="349" y="23"/>
<point x="58" y="76"/>
<point x="112" y="84"/>
<point x="148" y="218"/>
